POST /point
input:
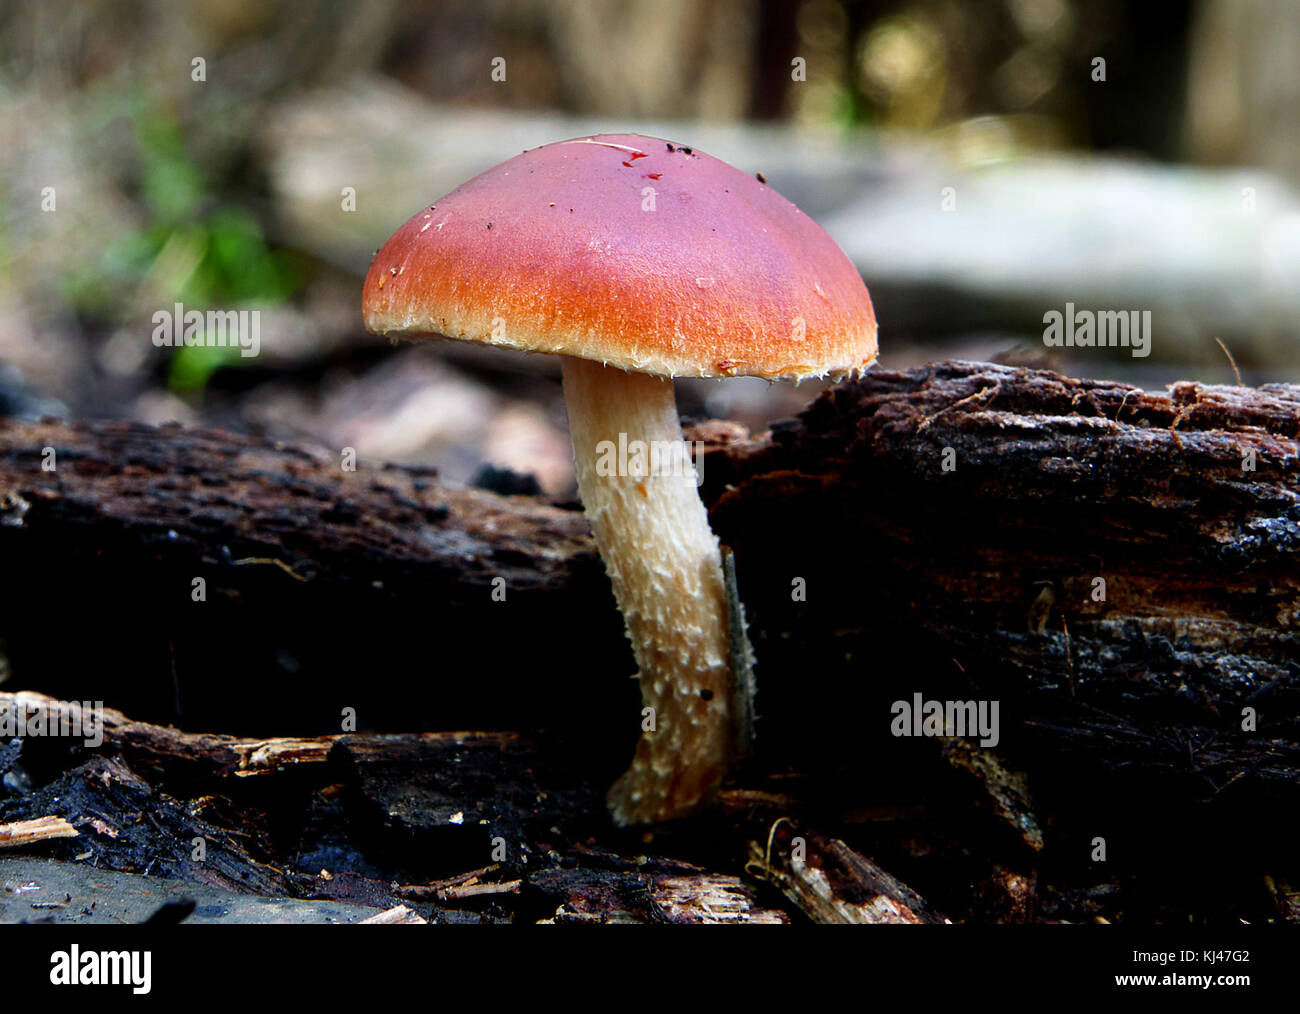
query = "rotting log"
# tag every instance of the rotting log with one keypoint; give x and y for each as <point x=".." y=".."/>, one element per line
<point x="940" y="531"/>
<point x="371" y="583"/>
<point x="1119" y="567"/>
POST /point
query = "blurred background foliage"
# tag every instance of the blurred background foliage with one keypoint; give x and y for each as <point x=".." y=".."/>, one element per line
<point x="225" y="192"/>
<point x="186" y="247"/>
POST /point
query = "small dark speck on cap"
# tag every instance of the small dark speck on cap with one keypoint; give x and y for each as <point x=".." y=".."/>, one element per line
<point x="689" y="151"/>
<point x="489" y="225"/>
<point x="760" y="177"/>
<point x="670" y="146"/>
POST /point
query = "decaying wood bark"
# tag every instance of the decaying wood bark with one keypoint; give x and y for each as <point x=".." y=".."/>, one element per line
<point x="1117" y="568"/>
<point x="431" y="801"/>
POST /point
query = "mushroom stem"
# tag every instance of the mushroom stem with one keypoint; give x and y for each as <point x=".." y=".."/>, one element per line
<point x="642" y="501"/>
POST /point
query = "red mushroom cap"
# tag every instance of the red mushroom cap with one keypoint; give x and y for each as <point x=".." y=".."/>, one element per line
<point x="630" y="251"/>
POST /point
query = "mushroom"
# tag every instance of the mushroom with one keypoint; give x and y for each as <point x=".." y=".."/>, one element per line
<point x="638" y="261"/>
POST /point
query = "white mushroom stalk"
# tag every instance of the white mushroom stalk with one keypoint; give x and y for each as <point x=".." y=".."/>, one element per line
<point x="642" y="501"/>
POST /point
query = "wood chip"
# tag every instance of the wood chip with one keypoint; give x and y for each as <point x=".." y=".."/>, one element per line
<point x="398" y="916"/>
<point x="830" y="882"/>
<point x="26" y="832"/>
